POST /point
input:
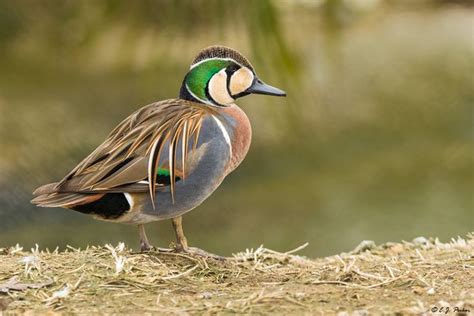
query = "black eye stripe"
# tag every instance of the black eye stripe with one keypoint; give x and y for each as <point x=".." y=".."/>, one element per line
<point x="230" y="70"/>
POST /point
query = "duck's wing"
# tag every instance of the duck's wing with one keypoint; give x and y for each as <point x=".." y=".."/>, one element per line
<point x="129" y="159"/>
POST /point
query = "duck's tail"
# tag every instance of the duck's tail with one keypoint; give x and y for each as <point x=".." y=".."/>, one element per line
<point x="48" y="196"/>
<point x="45" y="189"/>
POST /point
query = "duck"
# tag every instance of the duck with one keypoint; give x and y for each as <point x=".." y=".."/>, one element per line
<point x="168" y="157"/>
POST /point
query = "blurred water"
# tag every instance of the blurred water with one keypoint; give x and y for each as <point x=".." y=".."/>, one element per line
<point x="374" y="140"/>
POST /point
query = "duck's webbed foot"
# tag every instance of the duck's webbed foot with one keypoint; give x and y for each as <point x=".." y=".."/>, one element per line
<point x="144" y="243"/>
<point x="182" y="243"/>
<point x="200" y="253"/>
<point x="144" y="246"/>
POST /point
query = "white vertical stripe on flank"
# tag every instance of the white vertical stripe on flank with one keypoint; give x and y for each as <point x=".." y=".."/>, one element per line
<point x="224" y="132"/>
<point x="129" y="199"/>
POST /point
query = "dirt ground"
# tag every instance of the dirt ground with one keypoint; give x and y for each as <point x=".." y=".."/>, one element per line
<point x="422" y="276"/>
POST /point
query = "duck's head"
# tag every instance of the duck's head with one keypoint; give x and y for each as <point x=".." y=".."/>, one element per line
<point x="219" y="75"/>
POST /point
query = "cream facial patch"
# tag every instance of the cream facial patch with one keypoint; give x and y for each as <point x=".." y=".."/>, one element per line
<point x="218" y="88"/>
<point x="241" y="80"/>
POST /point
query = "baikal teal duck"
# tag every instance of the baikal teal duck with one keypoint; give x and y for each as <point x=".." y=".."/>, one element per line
<point x="166" y="158"/>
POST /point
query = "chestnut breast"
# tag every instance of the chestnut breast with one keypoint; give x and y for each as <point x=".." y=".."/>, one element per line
<point x="240" y="132"/>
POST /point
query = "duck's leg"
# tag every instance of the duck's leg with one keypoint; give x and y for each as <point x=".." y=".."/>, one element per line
<point x="182" y="243"/>
<point x="144" y="243"/>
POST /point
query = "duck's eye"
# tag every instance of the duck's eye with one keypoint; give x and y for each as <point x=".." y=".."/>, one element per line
<point x="240" y="80"/>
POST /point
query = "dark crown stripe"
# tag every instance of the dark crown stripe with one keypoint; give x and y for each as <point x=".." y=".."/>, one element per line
<point x="222" y="52"/>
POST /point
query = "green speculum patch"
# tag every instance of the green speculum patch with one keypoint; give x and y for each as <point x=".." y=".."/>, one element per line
<point x="163" y="177"/>
<point x="162" y="172"/>
<point x="200" y="75"/>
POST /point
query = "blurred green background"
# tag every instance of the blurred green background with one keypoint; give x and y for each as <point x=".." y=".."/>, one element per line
<point x="374" y="140"/>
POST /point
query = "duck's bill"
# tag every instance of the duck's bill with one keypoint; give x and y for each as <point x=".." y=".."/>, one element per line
<point x="260" y="87"/>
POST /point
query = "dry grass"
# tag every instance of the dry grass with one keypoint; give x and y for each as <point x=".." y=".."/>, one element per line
<point x="395" y="277"/>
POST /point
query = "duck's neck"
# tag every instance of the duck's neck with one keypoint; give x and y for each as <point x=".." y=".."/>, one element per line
<point x="185" y="95"/>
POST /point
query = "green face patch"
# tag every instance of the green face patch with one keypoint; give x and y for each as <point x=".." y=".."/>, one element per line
<point x="198" y="78"/>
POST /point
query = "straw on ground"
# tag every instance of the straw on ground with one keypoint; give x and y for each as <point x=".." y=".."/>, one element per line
<point x="408" y="277"/>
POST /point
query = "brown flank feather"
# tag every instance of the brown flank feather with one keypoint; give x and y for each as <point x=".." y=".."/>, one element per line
<point x="120" y="162"/>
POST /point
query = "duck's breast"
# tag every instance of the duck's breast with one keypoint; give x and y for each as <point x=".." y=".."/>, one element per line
<point x="239" y="129"/>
